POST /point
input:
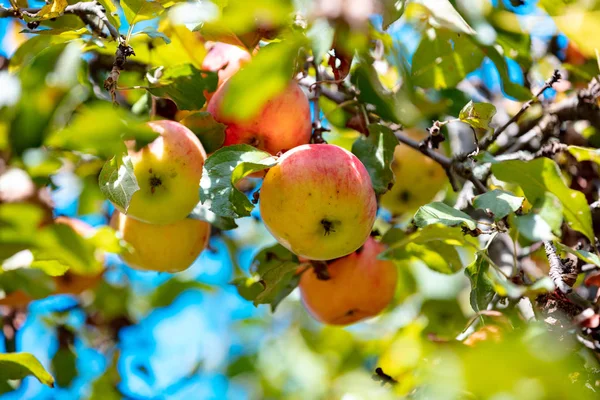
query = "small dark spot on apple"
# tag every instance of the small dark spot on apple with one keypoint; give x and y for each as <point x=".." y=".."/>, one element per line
<point x="150" y="170"/>
<point x="327" y="226"/>
<point x="404" y="196"/>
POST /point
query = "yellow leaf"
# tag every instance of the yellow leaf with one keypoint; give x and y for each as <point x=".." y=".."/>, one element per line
<point x="53" y="10"/>
<point x="582" y="27"/>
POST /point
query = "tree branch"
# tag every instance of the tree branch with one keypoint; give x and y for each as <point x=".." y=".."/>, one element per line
<point x="557" y="268"/>
<point x="91" y="13"/>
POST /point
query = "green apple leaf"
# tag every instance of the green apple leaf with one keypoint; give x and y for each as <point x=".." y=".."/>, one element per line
<point x="20" y="365"/>
<point x="437" y="256"/>
<point x="482" y="286"/>
<point x="210" y="132"/>
<point x="542" y="175"/>
<point x="64" y="366"/>
<point x="393" y="107"/>
<point x="510" y="88"/>
<point x="184" y="84"/>
<point x="223" y="170"/>
<point x="392" y="11"/>
<point x="499" y="202"/>
<point x="443" y="14"/>
<point x="441" y="213"/>
<point x="99" y="129"/>
<point x="274" y="276"/>
<point x="202" y="212"/>
<point x="118" y="182"/>
<point x="444" y="58"/>
<point x="250" y="88"/>
<point x="585" y="153"/>
<point x="141" y="10"/>
<point x="478" y="115"/>
<point x="588" y="257"/>
<point x="376" y="152"/>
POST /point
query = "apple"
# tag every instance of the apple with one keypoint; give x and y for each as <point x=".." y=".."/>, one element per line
<point x="168" y="172"/>
<point x="359" y="286"/>
<point x="225" y="59"/>
<point x="418" y="178"/>
<point x="282" y="124"/>
<point x="318" y="201"/>
<point x="165" y="248"/>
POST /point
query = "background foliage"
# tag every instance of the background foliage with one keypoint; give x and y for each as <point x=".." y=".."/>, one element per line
<point x="497" y="291"/>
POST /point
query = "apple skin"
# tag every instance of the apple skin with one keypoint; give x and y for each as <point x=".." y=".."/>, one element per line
<point x="418" y="178"/>
<point x="226" y="59"/>
<point x="282" y="124"/>
<point x="318" y="202"/>
<point x="168" y="172"/>
<point x="360" y="286"/>
<point x="164" y="248"/>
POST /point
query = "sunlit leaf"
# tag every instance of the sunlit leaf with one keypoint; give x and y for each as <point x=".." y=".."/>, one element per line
<point x="482" y="287"/>
<point x="376" y="152"/>
<point x="443" y="14"/>
<point x="20" y="365"/>
<point x="478" y="115"/>
<point x="441" y="213"/>
<point x="499" y="202"/>
<point x="542" y="175"/>
<point x="225" y="168"/>
<point x="210" y="132"/>
<point x="118" y="182"/>
<point x="52" y="10"/>
<point x="141" y="10"/>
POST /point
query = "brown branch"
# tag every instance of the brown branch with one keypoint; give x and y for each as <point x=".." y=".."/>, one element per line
<point x="91" y="13"/>
<point x="317" y="136"/>
<point x="557" y="268"/>
<point x="110" y="84"/>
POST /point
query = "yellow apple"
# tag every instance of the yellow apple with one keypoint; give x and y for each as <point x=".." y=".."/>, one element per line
<point x="168" y="172"/>
<point x="165" y="248"/>
<point x="282" y="124"/>
<point x="418" y="178"/>
<point x="318" y="201"/>
<point x="359" y="286"/>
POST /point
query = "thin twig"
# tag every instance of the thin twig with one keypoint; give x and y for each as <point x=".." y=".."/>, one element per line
<point x="488" y="140"/>
<point x="317" y="136"/>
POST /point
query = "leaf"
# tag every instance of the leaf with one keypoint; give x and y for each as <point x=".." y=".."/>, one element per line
<point x="166" y="293"/>
<point x="52" y="10"/>
<point x="216" y="32"/>
<point x="441" y="213"/>
<point x="443" y="14"/>
<point x="274" y="269"/>
<point x="478" y="115"/>
<point x="185" y="85"/>
<point x="499" y="202"/>
<point x="250" y="88"/>
<point x="392" y="11"/>
<point x="510" y="88"/>
<point x="140" y="10"/>
<point x="210" y="132"/>
<point x="542" y="175"/>
<point x="64" y="366"/>
<point x="321" y="37"/>
<point x="482" y="287"/>
<point x="184" y="42"/>
<point x="588" y="257"/>
<point x="154" y="35"/>
<point x="202" y="212"/>
<point x="20" y="365"/>
<point x="585" y="153"/>
<point x="118" y="182"/>
<point x="99" y="129"/>
<point x="376" y="152"/>
<point x="444" y="58"/>
<point x="533" y="227"/>
<point x="223" y="170"/>
<point x="393" y="107"/>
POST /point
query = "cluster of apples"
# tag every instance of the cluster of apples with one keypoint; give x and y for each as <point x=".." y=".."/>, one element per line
<point x="318" y="201"/>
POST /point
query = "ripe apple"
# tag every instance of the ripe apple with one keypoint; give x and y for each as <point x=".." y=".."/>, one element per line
<point x="164" y="248"/>
<point x="282" y="124"/>
<point x="418" y="178"/>
<point x="226" y="59"/>
<point x="168" y="172"/>
<point x="318" y="201"/>
<point x="359" y="286"/>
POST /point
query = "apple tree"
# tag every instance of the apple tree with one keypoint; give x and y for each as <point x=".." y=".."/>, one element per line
<point x="299" y="199"/>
